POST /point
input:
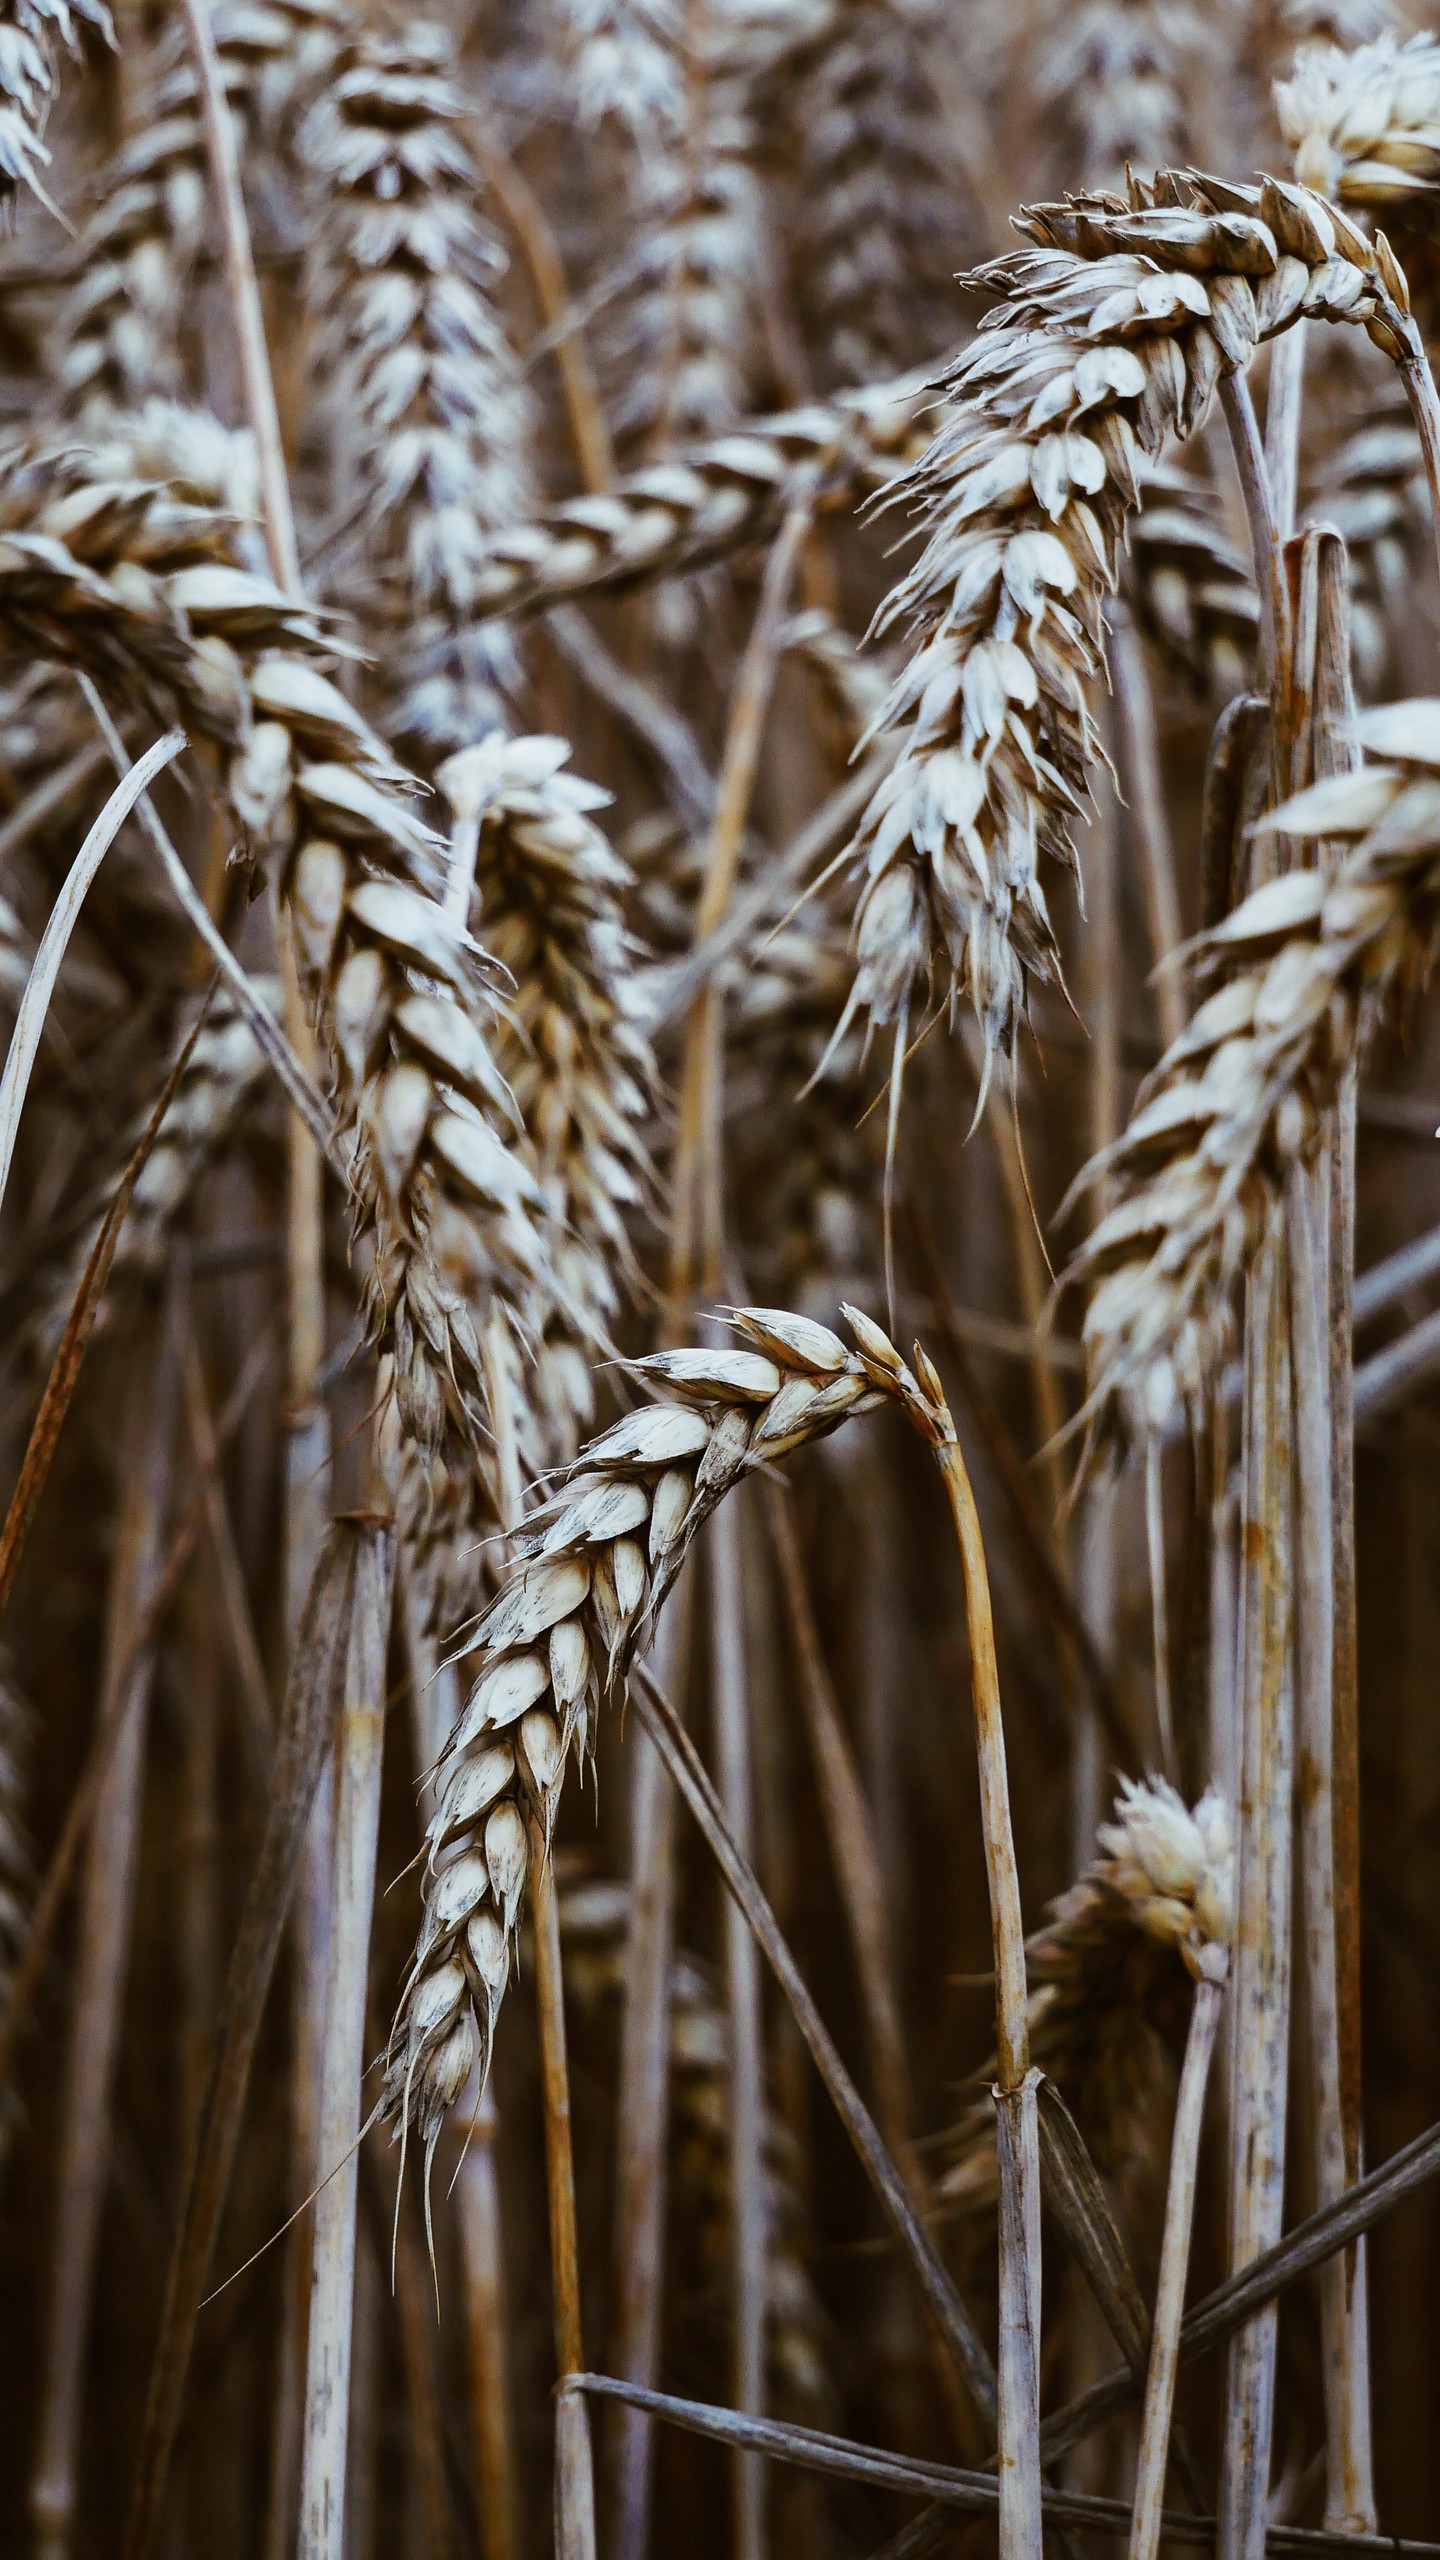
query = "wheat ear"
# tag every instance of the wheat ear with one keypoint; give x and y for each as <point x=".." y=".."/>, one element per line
<point x="1302" y="972"/>
<point x="1108" y="336"/>
<point x="142" y="588"/>
<point x="429" y="416"/>
<point x="705" y="501"/>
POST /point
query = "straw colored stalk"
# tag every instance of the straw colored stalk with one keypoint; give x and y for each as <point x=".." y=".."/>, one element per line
<point x="106" y="1917"/>
<point x="434" y="1706"/>
<point x="1302" y="973"/>
<point x="1016" y="2127"/>
<point x="429" y="419"/>
<point x="359" y="1750"/>
<point x="1107" y="336"/>
<point x="706" y="501"/>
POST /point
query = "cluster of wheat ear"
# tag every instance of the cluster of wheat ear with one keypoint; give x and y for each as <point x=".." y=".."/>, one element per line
<point x="648" y="734"/>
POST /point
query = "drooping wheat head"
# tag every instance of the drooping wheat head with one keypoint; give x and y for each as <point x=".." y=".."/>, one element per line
<point x="1106" y="338"/>
<point x="1299" y="975"/>
<point x="1110" y="2000"/>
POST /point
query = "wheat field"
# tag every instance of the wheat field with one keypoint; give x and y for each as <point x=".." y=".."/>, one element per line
<point x="719" y="1244"/>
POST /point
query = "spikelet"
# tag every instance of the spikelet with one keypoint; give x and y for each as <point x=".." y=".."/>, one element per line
<point x="1299" y="975"/>
<point x="687" y="346"/>
<point x="1108" y="1996"/>
<point x="569" y="1618"/>
<point x="706" y="501"/>
<point x="429" y="420"/>
<point x="33" y="34"/>
<point x="119" y="576"/>
<point x="1109" y="335"/>
<point x="623" y="65"/>
<point x="593" y="1921"/>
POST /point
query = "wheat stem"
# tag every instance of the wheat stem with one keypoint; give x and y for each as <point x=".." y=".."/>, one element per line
<point x="1175" y="2257"/>
<point x="731" y="1709"/>
<point x="574" y="2469"/>
<point x="1262" y="1962"/>
<point x="358" y="1755"/>
<point x="277" y="515"/>
<point x="1016" y="2126"/>
<point x="640" y="2169"/>
<point x="948" y="2312"/>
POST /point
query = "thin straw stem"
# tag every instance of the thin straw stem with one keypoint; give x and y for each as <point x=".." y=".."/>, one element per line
<point x="257" y="379"/>
<point x="1017" y="2131"/>
<point x="1175" y="2257"/>
<point x="639" y="2257"/>
<point x="946" y="2308"/>
<point x="359" y="1754"/>
<point x="1262" y="1966"/>
<point x="1265" y="535"/>
<point x="967" y="2491"/>
<point x="730" y="1706"/>
<point x="1344" y="2362"/>
<point x="574" y="2471"/>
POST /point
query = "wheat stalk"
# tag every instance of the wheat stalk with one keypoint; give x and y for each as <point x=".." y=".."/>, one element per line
<point x="1302" y="971"/>
<point x="1108" y="336"/>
